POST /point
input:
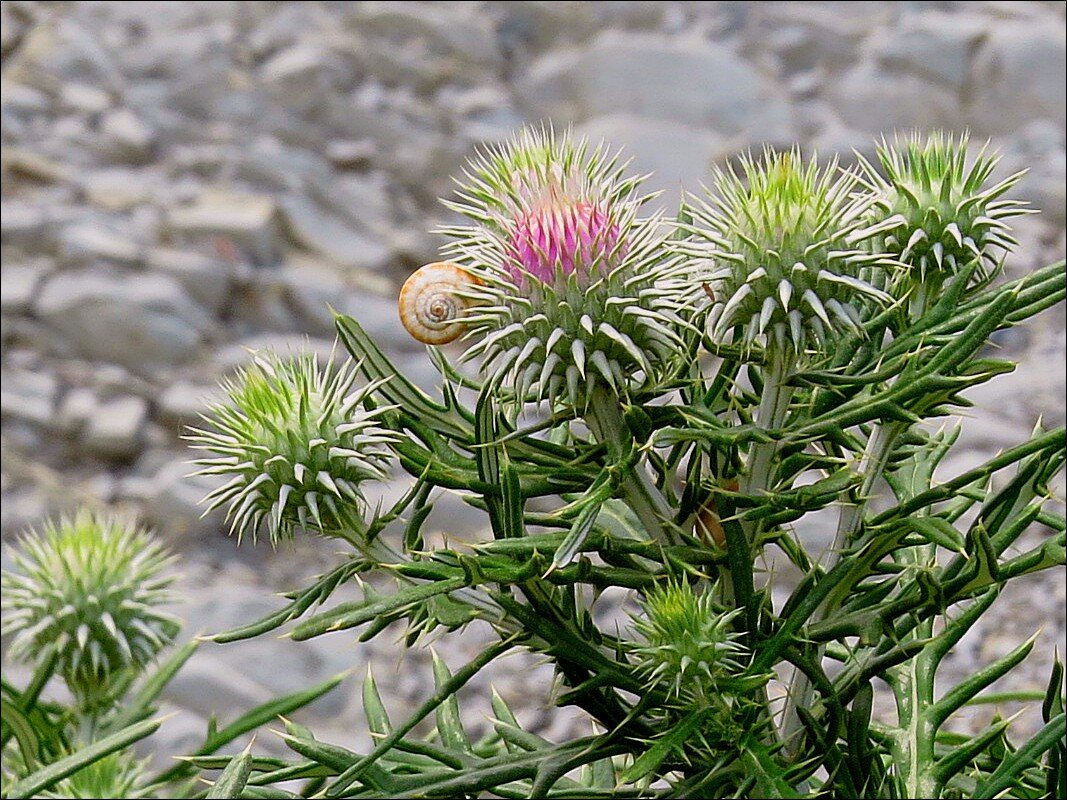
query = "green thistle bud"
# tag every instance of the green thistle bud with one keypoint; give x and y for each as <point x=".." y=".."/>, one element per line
<point x="686" y="642"/>
<point x="296" y="443"/>
<point x="570" y="289"/>
<point x="116" y="775"/>
<point x="784" y="263"/>
<point x="936" y="210"/>
<point x="88" y="589"/>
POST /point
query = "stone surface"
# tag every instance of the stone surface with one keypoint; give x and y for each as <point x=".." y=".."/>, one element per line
<point x="19" y="284"/>
<point x="28" y="396"/>
<point x="140" y="323"/>
<point x="246" y="222"/>
<point x="114" y="428"/>
<point x="686" y="82"/>
<point x="1018" y="76"/>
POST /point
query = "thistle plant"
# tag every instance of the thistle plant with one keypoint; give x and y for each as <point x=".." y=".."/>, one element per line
<point x="787" y="346"/>
<point x="84" y="605"/>
<point x="782" y="248"/>
<point x="686" y="643"/>
<point x="90" y="590"/>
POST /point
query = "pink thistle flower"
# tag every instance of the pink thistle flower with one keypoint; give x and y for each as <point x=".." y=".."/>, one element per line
<point x="561" y="236"/>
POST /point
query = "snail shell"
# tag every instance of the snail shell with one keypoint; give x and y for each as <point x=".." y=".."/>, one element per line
<point x="429" y="307"/>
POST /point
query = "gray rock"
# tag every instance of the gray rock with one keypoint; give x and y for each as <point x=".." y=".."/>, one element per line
<point x="19" y="284"/>
<point x="208" y="281"/>
<point x="351" y="154"/>
<point x="1018" y="76"/>
<point x="91" y="241"/>
<point x="873" y="101"/>
<point x="171" y="498"/>
<point x="248" y="222"/>
<point x="139" y="324"/>
<point x="77" y="407"/>
<point x="330" y="236"/>
<point x="36" y="166"/>
<point x="427" y="44"/>
<point x="302" y="72"/>
<point x="126" y="135"/>
<point x="693" y="83"/>
<point x="29" y="396"/>
<point x="118" y="189"/>
<point x="21" y="99"/>
<point x="678" y="156"/>
<point x="183" y="402"/>
<point x="934" y="45"/>
<point x="535" y="25"/>
<point x="209" y="686"/>
<point x="114" y="429"/>
<point x="85" y="98"/>
<point x="23" y="224"/>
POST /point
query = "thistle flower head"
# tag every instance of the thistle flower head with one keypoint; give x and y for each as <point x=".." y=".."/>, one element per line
<point x="783" y="263"/>
<point x="572" y="288"/>
<point x="937" y="210"/>
<point x="296" y="443"/>
<point x="88" y="588"/>
<point x="686" y="642"/>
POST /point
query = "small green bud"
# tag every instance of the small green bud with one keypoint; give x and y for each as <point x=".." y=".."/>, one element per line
<point x="783" y="262"/>
<point x="116" y="775"/>
<point x="88" y="588"/>
<point x="296" y="443"/>
<point x="937" y="210"/>
<point x="686" y="642"/>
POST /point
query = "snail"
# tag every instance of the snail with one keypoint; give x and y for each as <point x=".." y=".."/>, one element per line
<point x="430" y="306"/>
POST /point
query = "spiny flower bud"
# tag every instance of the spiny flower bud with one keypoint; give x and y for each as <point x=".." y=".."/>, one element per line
<point x="571" y="289"/>
<point x="936" y="210"/>
<point x="88" y="588"/>
<point x="783" y="264"/>
<point x="686" y="642"/>
<point x="114" y="775"/>
<point x="296" y="443"/>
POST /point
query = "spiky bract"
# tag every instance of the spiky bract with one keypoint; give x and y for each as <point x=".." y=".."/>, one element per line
<point x="575" y="289"/>
<point x="781" y="255"/>
<point x="88" y="588"/>
<point x="937" y="210"/>
<point x="687" y="643"/>
<point x="296" y="442"/>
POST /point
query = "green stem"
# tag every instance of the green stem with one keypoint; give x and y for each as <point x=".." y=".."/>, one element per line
<point x="774" y="403"/>
<point x="801" y="693"/>
<point x="913" y="685"/>
<point x="604" y="418"/>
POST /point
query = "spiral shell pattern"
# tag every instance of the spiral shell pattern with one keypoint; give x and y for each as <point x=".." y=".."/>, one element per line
<point x="430" y="307"/>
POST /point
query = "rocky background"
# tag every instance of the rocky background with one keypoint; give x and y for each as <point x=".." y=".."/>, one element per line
<point x="186" y="181"/>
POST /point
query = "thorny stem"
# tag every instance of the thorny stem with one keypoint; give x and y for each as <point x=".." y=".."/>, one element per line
<point x="759" y="475"/>
<point x="801" y="692"/>
<point x="871" y="466"/>
<point x="604" y="418"/>
<point x="774" y="403"/>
